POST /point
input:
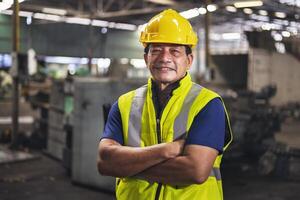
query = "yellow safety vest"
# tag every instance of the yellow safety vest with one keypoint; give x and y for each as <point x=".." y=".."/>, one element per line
<point x="140" y="130"/>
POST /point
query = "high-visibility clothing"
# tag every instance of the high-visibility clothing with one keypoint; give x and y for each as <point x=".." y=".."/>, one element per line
<point x="141" y="128"/>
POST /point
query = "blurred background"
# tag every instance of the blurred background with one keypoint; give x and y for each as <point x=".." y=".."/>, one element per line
<point x="64" y="62"/>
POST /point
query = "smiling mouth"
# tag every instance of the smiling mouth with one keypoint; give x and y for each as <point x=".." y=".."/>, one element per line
<point x="164" y="69"/>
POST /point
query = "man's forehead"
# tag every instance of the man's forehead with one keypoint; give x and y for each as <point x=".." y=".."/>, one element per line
<point x="165" y="45"/>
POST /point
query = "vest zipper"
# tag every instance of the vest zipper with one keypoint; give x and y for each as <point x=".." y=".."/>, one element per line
<point x="158" y="141"/>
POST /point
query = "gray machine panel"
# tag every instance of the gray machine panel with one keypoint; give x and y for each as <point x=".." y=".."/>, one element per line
<point x="89" y="97"/>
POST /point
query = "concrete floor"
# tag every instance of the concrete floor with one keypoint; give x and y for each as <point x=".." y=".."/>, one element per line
<point x="45" y="178"/>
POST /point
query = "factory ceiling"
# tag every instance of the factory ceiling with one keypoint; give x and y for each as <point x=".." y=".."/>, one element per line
<point x="139" y="11"/>
<point x="278" y="15"/>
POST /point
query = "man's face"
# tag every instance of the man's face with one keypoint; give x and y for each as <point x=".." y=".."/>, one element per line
<point x="167" y="62"/>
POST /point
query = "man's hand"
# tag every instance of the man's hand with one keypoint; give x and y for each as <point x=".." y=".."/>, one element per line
<point x="123" y="161"/>
<point x="193" y="166"/>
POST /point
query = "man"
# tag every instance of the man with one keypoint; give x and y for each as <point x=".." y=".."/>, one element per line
<point x="165" y="140"/>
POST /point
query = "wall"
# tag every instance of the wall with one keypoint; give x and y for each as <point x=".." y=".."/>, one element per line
<point x="283" y="70"/>
<point x="230" y="71"/>
<point x="6" y="34"/>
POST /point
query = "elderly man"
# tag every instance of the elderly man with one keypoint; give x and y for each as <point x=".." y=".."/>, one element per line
<point x="165" y="140"/>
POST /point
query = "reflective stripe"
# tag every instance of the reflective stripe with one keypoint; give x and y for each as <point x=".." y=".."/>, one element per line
<point x="135" y="116"/>
<point x="215" y="172"/>
<point x="181" y="120"/>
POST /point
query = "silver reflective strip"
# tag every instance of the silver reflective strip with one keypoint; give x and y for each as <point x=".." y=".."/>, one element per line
<point x="215" y="172"/>
<point x="135" y="116"/>
<point x="180" y="123"/>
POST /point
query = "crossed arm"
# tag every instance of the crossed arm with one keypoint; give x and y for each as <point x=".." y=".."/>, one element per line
<point x="169" y="163"/>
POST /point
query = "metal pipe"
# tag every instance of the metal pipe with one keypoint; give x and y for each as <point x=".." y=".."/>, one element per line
<point x="207" y="29"/>
<point x="15" y="97"/>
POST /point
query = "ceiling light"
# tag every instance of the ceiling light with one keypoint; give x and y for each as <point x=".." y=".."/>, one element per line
<point x="245" y="4"/>
<point x="231" y="36"/>
<point x="280" y="14"/>
<point x="6" y="4"/>
<point x="263" y="12"/>
<point x="44" y="16"/>
<point x="6" y="12"/>
<point x="163" y="2"/>
<point x="138" y="63"/>
<point x="104" y="30"/>
<point x="77" y="20"/>
<point x="124" y="26"/>
<point x="100" y="23"/>
<point x="202" y="11"/>
<point x="285" y="34"/>
<point x="231" y="9"/>
<point x="190" y="13"/>
<point x="211" y="7"/>
<point x="266" y="27"/>
<point x="248" y="11"/>
<point x="280" y="47"/>
<point x="215" y="36"/>
<point x="25" y="14"/>
<point x="54" y="11"/>
<point x="277" y="37"/>
<point x="29" y="20"/>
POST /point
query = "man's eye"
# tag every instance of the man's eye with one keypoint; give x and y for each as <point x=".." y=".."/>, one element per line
<point x="176" y="51"/>
<point x="155" y="50"/>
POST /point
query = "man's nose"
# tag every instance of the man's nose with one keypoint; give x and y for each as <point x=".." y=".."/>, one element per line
<point x="165" y="56"/>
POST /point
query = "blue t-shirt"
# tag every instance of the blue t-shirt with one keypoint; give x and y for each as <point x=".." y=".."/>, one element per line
<point x="207" y="129"/>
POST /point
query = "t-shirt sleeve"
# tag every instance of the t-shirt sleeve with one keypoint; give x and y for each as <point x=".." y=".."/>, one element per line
<point x="113" y="128"/>
<point x="208" y="127"/>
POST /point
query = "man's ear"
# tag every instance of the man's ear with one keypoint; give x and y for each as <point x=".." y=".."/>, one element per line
<point x="190" y="59"/>
<point x="146" y="59"/>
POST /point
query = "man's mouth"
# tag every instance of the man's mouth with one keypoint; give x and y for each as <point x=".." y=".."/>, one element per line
<point x="165" y="69"/>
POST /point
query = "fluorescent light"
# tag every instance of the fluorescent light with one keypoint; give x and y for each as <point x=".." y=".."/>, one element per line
<point x="103" y="63"/>
<point x="263" y="12"/>
<point x="245" y="4"/>
<point x="266" y="26"/>
<point x="280" y="47"/>
<point x="124" y="26"/>
<point x="100" y="23"/>
<point x="112" y="25"/>
<point x="6" y="12"/>
<point x="231" y="9"/>
<point x="231" y="36"/>
<point x="280" y="14"/>
<point x="285" y="34"/>
<point x="248" y="11"/>
<point x="163" y="2"/>
<point x="5" y="4"/>
<point x="188" y="14"/>
<point x="54" y="11"/>
<point x="124" y="61"/>
<point x="25" y="14"/>
<point x="49" y="17"/>
<point x="202" y="11"/>
<point x="260" y="17"/>
<point x="277" y="37"/>
<point x="211" y="7"/>
<point x="77" y="20"/>
<point x="215" y="36"/>
<point x="138" y="63"/>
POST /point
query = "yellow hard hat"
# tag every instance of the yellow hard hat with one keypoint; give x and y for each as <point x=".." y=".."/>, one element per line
<point x="169" y="27"/>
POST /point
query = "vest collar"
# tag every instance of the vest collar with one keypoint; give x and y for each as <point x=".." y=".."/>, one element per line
<point x="184" y="84"/>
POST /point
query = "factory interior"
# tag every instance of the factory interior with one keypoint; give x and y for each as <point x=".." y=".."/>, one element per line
<point x="63" y="63"/>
